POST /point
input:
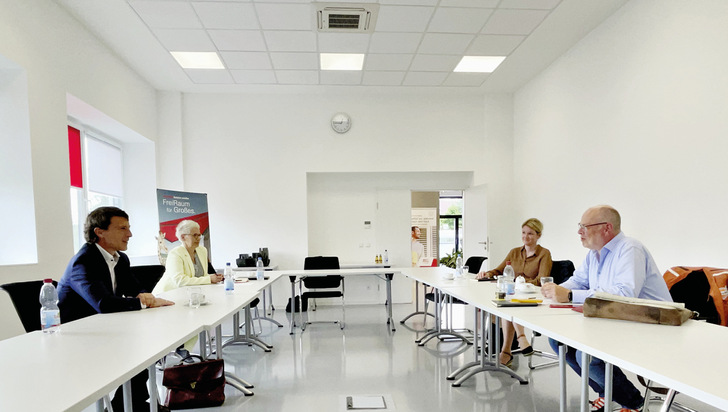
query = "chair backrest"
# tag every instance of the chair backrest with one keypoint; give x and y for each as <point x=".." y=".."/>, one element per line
<point x="321" y="262"/>
<point x="10" y="324"/>
<point x="147" y="275"/>
<point x="474" y="263"/>
<point x="25" y="297"/>
<point x="699" y="288"/>
<point x="562" y="270"/>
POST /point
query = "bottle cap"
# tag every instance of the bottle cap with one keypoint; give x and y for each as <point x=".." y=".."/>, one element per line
<point x="508" y="262"/>
<point x="49" y="280"/>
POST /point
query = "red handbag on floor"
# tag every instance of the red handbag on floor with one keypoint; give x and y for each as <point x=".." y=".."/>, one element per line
<point x="194" y="385"/>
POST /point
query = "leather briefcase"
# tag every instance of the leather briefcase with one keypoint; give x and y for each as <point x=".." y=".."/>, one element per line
<point x="603" y="305"/>
<point x="195" y="385"/>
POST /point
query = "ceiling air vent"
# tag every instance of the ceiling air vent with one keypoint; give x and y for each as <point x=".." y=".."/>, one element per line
<point x="346" y="18"/>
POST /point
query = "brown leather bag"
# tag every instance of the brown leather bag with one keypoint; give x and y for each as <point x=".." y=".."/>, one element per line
<point x="602" y="305"/>
<point x="195" y="385"/>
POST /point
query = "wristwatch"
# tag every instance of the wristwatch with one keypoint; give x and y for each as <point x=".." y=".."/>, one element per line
<point x="570" y="296"/>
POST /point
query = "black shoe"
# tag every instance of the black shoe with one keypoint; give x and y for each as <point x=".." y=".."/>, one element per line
<point x="527" y="351"/>
<point x="182" y="352"/>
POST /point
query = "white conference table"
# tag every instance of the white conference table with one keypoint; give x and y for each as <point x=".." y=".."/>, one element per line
<point x="376" y="270"/>
<point x="664" y="354"/>
<point x="87" y="359"/>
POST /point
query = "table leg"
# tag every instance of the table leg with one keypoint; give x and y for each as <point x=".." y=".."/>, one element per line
<point x="127" y="396"/>
<point x="153" y="392"/>
<point x="585" y="360"/>
<point x="390" y="321"/>
<point x="562" y="377"/>
<point x="608" y="369"/>
<point x="293" y="303"/>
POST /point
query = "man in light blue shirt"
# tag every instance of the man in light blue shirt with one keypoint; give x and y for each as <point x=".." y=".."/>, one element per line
<point x="618" y="265"/>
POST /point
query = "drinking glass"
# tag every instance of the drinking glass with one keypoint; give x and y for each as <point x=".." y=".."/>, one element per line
<point x="466" y="270"/>
<point x="546" y="279"/>
<point x="195" y="294"/>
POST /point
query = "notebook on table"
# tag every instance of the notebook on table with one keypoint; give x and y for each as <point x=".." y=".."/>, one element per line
<point x="507" y="303"/>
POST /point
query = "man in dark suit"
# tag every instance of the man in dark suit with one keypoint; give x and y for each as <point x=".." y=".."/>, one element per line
<point x="98" y="280"/>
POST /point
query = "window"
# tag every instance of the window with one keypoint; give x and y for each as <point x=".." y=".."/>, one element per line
<point x="451" y="223"/>
<point x="96" y="172"/>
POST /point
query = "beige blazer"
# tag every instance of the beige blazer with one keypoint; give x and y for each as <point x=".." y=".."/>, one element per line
<point x="180" y="271"/>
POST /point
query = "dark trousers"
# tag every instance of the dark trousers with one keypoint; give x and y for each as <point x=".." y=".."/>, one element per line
<point x="139" y="394"/>
<point x="624" y="391"/>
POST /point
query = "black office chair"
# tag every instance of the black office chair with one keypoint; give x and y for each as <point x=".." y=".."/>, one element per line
<point x="25" y="297"/>
<point x="561" y="270"/>
<point x="147" y="275"/>
<point x="474" y="263"/>
<point x="319" y="287"/>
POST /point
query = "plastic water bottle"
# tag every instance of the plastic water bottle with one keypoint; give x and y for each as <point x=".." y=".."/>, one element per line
<point x="459" y="265"/>
<point x="259" y="269"/>
<point x="510" y="278"/>
<point x="386" y="256"/>
<point x="50" y="316"/>
<point x="229" y="281"/>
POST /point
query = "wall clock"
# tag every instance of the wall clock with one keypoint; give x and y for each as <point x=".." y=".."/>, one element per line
<point x="341" y="122"/>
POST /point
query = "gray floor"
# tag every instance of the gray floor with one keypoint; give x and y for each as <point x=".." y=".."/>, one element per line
<point x="316" y="370"/>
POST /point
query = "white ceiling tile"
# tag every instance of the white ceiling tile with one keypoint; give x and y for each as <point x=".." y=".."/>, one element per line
<point x="274" y="16"/>
<point x="465" y="79"/>
<point x="343" y="42"/>
<point x="394" y="42"/>
<point x="434" y="63"/>
<point x="494" y="45"/>
<point x="167" y="14"/>
<point x="424" y="78"/>
<point x="387" y="61"/>
<point x="290" y="41"/>
<point x="403" y="18"/>
<point x="295" y="61"/>
<point x="241" y="40"/>
<point x="297" y="76"/>
<point x="383" y="78"/>
<point x="410" y="2"/>
<point x="488" y="4"/>
<point x="514" y="21"/>
<point x="529" y="4"/>
<point x="184" y="40"/>
<point x="444" y="43"/>
<point x="254" y="76"/>
<point x="458" y="20"/>
<point x="341" y="77"/>
<point x="227" y="15"/>
<point x="203" y="76"/>
<point x="246" y="60"/>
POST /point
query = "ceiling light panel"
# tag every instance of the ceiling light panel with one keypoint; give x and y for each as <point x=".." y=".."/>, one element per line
<point x="442" y="43"/>
<point x="479" y="64"/>
<point x="458" y="20"/>
<point x="167" y="14"/>
<point x="514" y="21"/>
<point x="403" y="19"/>
<point x="341" y="61"/>
<point x="198" y="60"/>
<point x="227" y="15"/>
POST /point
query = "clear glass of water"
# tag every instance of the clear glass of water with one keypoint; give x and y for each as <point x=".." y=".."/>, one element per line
<point x="195" y="295"/>
<point x="546" y="279"/>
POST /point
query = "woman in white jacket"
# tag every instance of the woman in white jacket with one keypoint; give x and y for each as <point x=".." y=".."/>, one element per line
<point x="187" y="263"/>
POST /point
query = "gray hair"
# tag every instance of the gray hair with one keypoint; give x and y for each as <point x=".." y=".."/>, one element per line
<point x="184" y="227"/>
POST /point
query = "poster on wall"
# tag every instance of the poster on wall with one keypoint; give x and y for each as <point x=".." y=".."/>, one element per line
<point x="175" y="207"/>
<point x="425" y="247"/>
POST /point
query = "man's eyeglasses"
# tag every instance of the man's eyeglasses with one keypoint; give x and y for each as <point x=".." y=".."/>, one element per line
<point x="196" y="235"/>
<point x="584" y="227"/>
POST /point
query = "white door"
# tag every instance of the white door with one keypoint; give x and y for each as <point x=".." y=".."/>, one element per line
<point x="475" y="222"/>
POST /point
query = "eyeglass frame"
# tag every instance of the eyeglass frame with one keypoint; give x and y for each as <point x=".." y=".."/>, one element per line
<point x="196" y="235"/>
<point x="585" y="227"/>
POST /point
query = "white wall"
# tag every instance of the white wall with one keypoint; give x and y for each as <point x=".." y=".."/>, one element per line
<point x="59" y="58"/>
<point x="635" y="115"/>
<point x="252" y="153"/>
